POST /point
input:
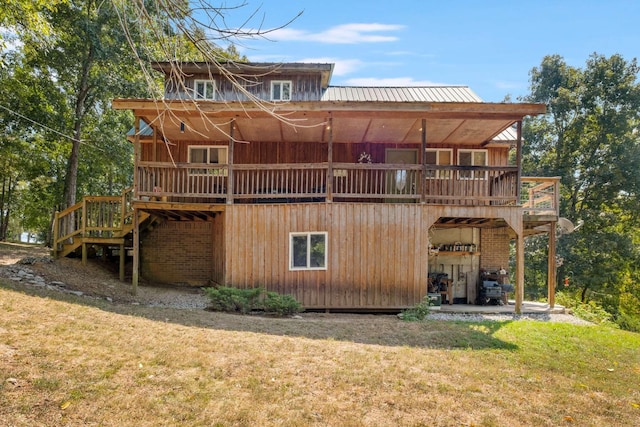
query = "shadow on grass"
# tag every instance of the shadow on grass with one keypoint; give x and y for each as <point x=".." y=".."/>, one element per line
<point x="381" y="329"/>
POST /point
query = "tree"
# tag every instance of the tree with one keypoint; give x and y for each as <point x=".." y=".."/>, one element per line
<point x="589" y="138"/>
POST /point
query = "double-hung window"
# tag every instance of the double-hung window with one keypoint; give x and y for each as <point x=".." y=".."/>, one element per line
<point x="438" y="157"/>
<point x="472" y="158"/>
<point x="210" y="155"/>
<point x="205" y="89"/>
<point x="281" y="90"/>
<point x="308" y="251"/>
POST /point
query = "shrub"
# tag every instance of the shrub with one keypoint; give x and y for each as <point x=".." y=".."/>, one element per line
<point x="282" y="305"/>
<point x="235" y="300"/>
<point x="417" y="312"/>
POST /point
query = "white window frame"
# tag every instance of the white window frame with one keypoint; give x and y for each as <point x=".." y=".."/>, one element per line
<point x="281" y="84"/>
<point x="308" y="265"/>
<point x="209" y="89"/>
<point x="474" y="175"/>
<point x="210" y="171"/>
<point x="440" y="174"/>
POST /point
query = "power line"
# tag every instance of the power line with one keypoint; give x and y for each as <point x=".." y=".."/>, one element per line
<point x="50" y="129"/>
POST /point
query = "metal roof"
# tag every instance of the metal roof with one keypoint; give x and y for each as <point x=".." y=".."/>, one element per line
<point x="401" y="94"/>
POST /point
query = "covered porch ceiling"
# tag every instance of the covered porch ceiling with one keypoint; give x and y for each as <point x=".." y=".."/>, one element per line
<point x="461" y="123"/>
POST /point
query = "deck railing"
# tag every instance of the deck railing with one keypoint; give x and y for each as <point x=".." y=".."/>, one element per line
<point x="540" y="195"/>
<point x="457" y="185"/>
<point x="94" y="216"/>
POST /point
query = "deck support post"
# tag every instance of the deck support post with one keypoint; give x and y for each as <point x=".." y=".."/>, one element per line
<point x="84" y="253"/>
<point x="230" y="190"/>
<point x="136" y="252"/>
<point x="519" y="272"/>
<point x="551" y="266"/>
<point x="123" y="256"/>
<point x="423" y="150"/>
<point x="329" y="188"/>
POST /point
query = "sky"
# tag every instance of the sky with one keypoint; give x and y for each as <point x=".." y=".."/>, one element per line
<point x="488" y="45"/>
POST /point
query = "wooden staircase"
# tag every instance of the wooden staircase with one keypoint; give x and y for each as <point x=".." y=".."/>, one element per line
<point x="105" y="221"/>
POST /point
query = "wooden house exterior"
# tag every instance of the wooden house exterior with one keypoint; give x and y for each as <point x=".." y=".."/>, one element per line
<point x="348" y="198"/>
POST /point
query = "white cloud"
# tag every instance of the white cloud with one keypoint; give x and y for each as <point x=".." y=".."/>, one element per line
<point x="391" y="82"/>
<point x="341" y="34"/>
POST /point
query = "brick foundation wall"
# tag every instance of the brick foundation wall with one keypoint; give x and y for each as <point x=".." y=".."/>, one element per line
<point x="177" y="252"/>
<point x="494" y="247"/>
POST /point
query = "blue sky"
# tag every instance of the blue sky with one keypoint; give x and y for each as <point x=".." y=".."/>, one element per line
<point x="488" y="45"/>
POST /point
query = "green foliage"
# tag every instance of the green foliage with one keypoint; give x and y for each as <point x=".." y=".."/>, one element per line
<point x="235" y="300"/>
<point x="589" y="139"/>
<point x="282" y="305"/>
<point x="418" y="312"/>
<point x="590" y="311"/>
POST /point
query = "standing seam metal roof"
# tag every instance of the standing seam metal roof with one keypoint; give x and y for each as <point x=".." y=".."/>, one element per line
<point x="401" y="94"/>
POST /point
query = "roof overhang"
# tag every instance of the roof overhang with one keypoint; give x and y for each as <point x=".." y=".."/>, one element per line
<point x="458" y="123"/>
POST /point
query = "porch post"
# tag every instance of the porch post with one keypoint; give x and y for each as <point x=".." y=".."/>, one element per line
<point x="519" y="271"/>
<point x="551" y="266"/>
<point x="519" y="161"/>
<point x="330" y="163"/>
<point x="232" y="126"/>
<point x="136" y="156"/>
<point x="423" y="150"/>
<point x="136" y="252"/>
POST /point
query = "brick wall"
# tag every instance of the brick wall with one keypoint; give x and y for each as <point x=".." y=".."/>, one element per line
<point x="177" y="252"/>
<point x="494" y="247"/>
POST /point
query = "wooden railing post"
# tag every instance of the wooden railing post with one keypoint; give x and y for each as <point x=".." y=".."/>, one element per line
<point x="232" y="126"/>
<point x="423" y="173"/>
<point x="83" y="227"/>
<point x="56" y="232"/>
<point x="329" y="189"/>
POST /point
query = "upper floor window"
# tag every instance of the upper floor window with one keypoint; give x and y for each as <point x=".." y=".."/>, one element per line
<point x="205" y="89"/>
<point x="442" y="157"/>
<point x="281" y="90"/>
<point x="472" y="158"/>
<point x="209" y="154"/>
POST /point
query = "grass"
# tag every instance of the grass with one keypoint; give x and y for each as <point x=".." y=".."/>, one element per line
<point x="70" y="361"/>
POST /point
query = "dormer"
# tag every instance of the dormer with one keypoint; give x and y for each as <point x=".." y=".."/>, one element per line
<point x="271" y="82"/>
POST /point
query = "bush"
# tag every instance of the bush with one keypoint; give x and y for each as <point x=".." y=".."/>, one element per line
<point x="590" y="311"/>
<point x="282" y="305"/>
<point x="235" y="300"/>
<point x="417" y="312"/>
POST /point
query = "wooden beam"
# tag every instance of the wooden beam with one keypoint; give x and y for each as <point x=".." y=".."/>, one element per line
<point x="329" y="188"/>
<point x="230" y="164"/>
<point x="136" y="252"/>
<point x="123" y="255"/>
<point x="423" y="150"/>
<point x="519" y="161"/>
<point x="551" y="266"/>
<point x="519" y="271"/>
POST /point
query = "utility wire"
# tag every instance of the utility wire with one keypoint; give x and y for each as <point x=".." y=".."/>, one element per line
<point x="50" y="129"/>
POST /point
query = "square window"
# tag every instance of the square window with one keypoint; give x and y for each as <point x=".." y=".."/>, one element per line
<point x="308" y="251"/>
<point x="212" y="155"/>
<point x="472" y="158"/>
<point x="281" y="90"/>
<point x="438" y="158"/>
<point x="205" y="89"/>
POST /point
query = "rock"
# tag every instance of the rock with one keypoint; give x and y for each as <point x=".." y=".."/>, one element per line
<point x="77" y="293"/>
<point x="58" y="284"/>
<point x="109" y="299"/>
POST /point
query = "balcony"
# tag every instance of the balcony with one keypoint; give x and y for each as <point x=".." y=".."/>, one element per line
<point x="317" y="182"/>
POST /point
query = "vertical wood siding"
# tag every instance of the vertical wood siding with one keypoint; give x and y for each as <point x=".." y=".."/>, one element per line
<point x="377" y="254"/>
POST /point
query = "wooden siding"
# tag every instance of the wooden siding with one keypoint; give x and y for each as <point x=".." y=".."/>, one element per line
<point x="377" y="254"/>
<point x="305" y="87"/>
<point x="266" y="153"/>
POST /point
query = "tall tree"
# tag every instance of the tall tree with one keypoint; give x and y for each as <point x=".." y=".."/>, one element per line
<point x="590" y="139"/>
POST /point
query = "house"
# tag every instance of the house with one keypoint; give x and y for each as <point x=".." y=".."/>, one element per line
<point x="348" y="198"/>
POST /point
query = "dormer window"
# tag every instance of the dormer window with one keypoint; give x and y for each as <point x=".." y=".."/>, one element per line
<point x="281" y="90"/>
<point x="205" y="89"/>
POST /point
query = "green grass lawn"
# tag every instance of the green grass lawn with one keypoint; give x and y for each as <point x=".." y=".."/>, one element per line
<point x="75" y="361"/>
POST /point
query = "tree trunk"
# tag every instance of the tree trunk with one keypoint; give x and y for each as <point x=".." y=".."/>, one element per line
<point x="71" y="179"/>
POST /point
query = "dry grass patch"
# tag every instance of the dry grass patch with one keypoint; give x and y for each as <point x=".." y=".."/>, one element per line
<point x="65" y="362"/>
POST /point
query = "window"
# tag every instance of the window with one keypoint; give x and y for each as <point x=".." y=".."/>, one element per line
<point x="281" y="90"/>
<point x="204" y="89"/>
<point x="213" y="155"/>
<point x="472" y="158"/>
<point x="308" y="251"/>
<point x="440" y="158"/>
